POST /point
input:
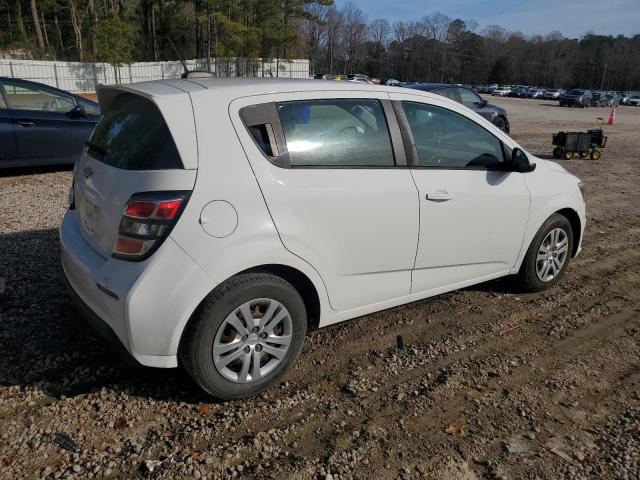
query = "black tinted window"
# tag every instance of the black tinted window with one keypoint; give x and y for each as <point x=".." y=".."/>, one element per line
<point x="336" y="133"/>
<point x="133" y="135"/>
<point x="446" y="139"/>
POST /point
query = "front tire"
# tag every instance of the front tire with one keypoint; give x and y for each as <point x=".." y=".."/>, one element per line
<point x="244" y="336"/>
<point x="548" y="255"/>
<point x="501" y="123"/>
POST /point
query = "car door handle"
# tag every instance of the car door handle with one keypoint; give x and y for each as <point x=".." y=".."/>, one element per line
<point x="26" y="123"/>
<point x="438" y="196"/>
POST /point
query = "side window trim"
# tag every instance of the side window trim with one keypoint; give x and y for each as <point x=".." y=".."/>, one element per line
<point x="266" y="114"/>
<point x="3" y="98"/>
<point x="413" y="159"/>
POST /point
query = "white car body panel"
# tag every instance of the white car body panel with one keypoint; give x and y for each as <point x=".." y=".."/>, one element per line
<point x="354" y="233"/>
<point x="479" y="231"/>
<point x="333" y="218"/>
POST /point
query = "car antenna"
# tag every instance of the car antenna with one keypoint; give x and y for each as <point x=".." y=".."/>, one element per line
<point x="189" y="73"/>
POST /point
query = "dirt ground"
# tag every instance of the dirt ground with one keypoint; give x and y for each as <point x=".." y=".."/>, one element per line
<point x="490" y="383"/>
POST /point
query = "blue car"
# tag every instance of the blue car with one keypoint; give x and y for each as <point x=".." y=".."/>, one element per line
<point x="42" y="125"/>
<point x="470" y="99"/>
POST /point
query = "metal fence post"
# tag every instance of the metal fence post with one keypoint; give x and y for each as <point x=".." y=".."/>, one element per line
<point x="130" y="76"/>
<point x="55" y="73"/>
<point x="95" y="77"/>
<point x="11" y="69"/>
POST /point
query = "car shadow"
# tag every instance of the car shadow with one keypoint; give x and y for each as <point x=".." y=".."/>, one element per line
<point x="46" y="344"/>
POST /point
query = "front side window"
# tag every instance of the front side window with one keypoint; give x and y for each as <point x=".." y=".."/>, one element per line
<point x="24" y="96"/>
<point x="341" y="133"/>
<point x="90" y="107"/>
<point x="132" y="135"/>
<point x="445" y="139"/>
<point x="469" y="98"/>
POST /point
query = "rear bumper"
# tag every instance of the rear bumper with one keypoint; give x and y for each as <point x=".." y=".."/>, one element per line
<point x="148" y="303"/>
<point x="100" y="326"/>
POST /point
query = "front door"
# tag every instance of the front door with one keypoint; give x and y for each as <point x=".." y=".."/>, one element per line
<point x="473" y="213"/>
<point x="45" y="129"/>
<point x="339" y="201"/>
<point x="7" y="135"/>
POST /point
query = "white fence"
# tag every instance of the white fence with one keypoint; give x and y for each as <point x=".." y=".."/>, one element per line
<point x="83" y="77"/>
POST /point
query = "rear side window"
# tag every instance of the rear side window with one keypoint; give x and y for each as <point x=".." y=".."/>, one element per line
<point x="341" y="133"/>
<point x="132" y="135"/>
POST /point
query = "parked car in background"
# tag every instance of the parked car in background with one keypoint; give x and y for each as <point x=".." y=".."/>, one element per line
<point x="501" y="91"/>
<point x="537" y="93"/>
<point x="576" y="98"/>
<point x="519" y="92"/>
<point x="624" y="96"/>
<point x="181" y="243"/>
<point x="552" y="93"/>
<point x="324" y="76"/>
<point x="613" y="99"/>
<point x="358" y="77"/>
<point x="42" y="125"/>
<point x="599" y="99"/>
<point x="391" y="82"/>
<point x="470" y="99"/>
<point x="634" y="100"/>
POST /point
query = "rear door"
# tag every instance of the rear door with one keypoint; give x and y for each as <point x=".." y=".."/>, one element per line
<point x="332" y="169"/>
<point x="45" y="129"/>
<point x="132" y="150"/>
<point x="7" y="135"/>
<point x="473" y="213"/>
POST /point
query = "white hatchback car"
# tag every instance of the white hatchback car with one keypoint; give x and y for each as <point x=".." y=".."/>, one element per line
<point x="213" y="222"/>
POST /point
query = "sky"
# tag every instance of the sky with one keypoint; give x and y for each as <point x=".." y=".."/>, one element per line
<point x="570" y="17"/>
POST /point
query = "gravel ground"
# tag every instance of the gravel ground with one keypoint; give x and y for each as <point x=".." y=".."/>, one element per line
<point x="490" y="383"/>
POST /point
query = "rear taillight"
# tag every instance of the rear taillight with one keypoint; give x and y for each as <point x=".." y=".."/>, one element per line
<point x="146" y="221"/>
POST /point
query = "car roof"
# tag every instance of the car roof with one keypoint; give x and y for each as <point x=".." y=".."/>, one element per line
<point x="429" y="87"/>
<point x="233" y="88"/>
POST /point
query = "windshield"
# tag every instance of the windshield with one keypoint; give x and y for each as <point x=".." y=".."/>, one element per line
<point x="575" y="92"/>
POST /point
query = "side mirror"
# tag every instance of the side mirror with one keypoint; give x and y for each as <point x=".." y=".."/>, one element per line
<point x="520" y="162"/>
<point x="78" y="110"/>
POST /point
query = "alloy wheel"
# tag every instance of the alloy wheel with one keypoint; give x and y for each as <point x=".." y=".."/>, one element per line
<point x="552" y="254"/>
<point x="252" y="341"/>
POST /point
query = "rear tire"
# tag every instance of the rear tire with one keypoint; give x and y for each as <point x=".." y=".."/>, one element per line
<point x="532" y="277"/>
<point x="557" y="152"/>
<point x="219" y="321"/>
<point x="568" y="155"/>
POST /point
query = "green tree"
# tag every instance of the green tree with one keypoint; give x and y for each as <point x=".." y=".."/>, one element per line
<point x="502" y="71"/>
<point x="114" y="37"/>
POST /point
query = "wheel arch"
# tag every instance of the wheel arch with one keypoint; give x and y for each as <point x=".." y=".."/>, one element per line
<point x="576" y="227"/>
<point x="300" y="281"/>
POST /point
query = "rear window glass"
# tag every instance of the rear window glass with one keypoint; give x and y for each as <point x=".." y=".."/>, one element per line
<point x="133" y="135"/>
